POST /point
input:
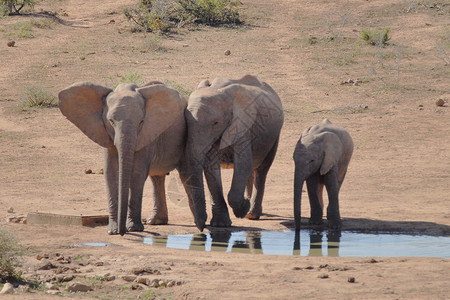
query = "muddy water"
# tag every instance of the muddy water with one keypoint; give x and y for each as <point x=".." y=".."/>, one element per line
<point x="310" y="243"/>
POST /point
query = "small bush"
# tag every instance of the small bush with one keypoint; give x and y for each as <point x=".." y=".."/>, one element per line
<point x="129" y="77"/>
<point x="13" y="7"/>
<point x="161" y="16"/>
<point x="182" y="90"/>
<point x="376" y="37"/>
<point x="10" y="253"/>
<point x="37" y="96"/>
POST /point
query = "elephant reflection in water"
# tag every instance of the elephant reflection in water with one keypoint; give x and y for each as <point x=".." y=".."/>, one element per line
<point x="333" y="238"/>
<point x="221" y="242"/>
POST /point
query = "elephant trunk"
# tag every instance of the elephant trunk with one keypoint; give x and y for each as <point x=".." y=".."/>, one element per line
<point x="126" y="157"/>
<point x="298" y="189"/>
<point x="194" y="186"/>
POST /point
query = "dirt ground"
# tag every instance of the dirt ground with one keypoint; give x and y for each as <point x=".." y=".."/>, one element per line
<point x="309" y="52"/>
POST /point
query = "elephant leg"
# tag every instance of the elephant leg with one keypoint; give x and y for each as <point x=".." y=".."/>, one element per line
<point x="243" y="169"/>
<point x="159" y="214"/>
<point x="140" y="172"/>
<point x="221" y="217"/>
<point x="313" y="183"/>
<point x="260" y="182"/>
<point x="111" y="172"/>
<point x="332" y="185"/>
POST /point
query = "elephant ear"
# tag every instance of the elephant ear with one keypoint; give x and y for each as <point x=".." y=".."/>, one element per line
<point x="82" y="104"/>
<point x="245" y="110"/>
<point x="163" y="106"/>
<point x="332" y="151"/>
<point x="203" y="84"/>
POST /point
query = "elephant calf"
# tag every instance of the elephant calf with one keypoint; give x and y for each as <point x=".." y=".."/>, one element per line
<point x="231" y="123"/>
<point x="143" y="132"/>
<point x="321" y="158"/>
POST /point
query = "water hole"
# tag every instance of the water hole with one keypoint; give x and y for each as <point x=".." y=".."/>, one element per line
<point x="310" y="243"/>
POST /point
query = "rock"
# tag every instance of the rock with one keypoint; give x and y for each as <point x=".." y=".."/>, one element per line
<point x="78" y="287"/>
<point x="323" y="276"/>
<point x="88" y="171"/>
<point x="154" y="283"/>
<point x="109" y="277"/>
<point x="171" y="283"/>
<point x="129" y="278"/>
<point x="11" y="210"/>
<point x="63" y="278"/>
<point x="227" y="52"/>
<point x="50" y="286"/>
<point x="11" y="43"/>
<point x="142" y="280"/>
<point x="162" y="283"/>
<point x="46" y="266"/>
<point x="137" y="286"/>
<point x="351" y="279"/>
<point x="24" y="288"/>
<point x="8" y="288"/>
<point x="440" y="102"/>
<point x="53" y="292"/>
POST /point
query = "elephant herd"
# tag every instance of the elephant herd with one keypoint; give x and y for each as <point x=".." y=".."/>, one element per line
<point x="152" y="130"/>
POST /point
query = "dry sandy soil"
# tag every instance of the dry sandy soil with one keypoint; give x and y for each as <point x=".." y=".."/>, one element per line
<point x="307" y="51"/>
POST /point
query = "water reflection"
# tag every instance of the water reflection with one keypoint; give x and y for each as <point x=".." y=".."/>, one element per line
<point x="256" y="242"/>
<point x="309" y="243"/>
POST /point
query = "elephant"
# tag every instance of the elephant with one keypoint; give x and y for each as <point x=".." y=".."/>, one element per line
<point x="233" y="124"/>
<point x="321" y="156"/>
<point x="143" y="133"/>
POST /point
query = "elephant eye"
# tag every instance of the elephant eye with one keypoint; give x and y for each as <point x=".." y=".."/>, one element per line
<point x="215" y="123"/>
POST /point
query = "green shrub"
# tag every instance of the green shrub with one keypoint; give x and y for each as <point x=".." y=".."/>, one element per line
<point x="376" y="37"/>
<point x="13" y="7"/>
<point x="161" y="16"/>
<point x="38" y="96"/>
<point x="10" y="253"/>
<point x="129" y="77"/>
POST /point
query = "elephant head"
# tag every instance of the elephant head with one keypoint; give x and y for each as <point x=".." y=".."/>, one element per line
<point x="315" y="153"/>
<point x="128" y="118"/>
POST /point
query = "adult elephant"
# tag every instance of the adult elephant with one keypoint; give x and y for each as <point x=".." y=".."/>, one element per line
<point x="233" y="123"/>
<point x="321" y="156"/>
<point x="143" y="132"/>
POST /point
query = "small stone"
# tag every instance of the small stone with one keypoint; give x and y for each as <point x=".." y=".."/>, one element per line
<point x="129" y="278"/>
<point x="142" y="280"/>
<point x="162" y="283"/>
<point x="309" y="268"/>
<point x="100" y="171"/>
<point x="50" y="286"/>
<point x="99" y="264"/>
<point x="112" y="21"/>
<point x="11" y="210"/>
<point x="137" y="286"/>
<point x="351" y="279"/>
<point x="53" y="292"/>
<point x="109" y="278"/>
<point x="46" y="266"/>
<point x="227" y="52"/>
<point x="323" y="276"/>
<point x="185" y="45"/>
<point x="154" y="283"/>
<point x="440" y="102"/>
<point x="11" y="43"/>
<point x="78" y="287"/>
<point x="171" y="283"/>
<point x="88" y="171"/>
<point x="24" y="288"/>
<point x="8" y="288"/>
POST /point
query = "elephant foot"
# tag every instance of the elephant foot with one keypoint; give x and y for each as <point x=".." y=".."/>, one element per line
<point x="241" y="211"/>
<point x="113" y="228"/>
<point x="135" y="226"/>
<point x="158" y="219"/>
<point x="200" y="221"/>
<point x="334" y="224"/>
<point x="315" y="221"/>
<point x="222" y="220"/>
<point x="254" y="214"/>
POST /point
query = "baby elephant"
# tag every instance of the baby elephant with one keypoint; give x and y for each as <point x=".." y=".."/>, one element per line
<point x="321" y="158"/>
